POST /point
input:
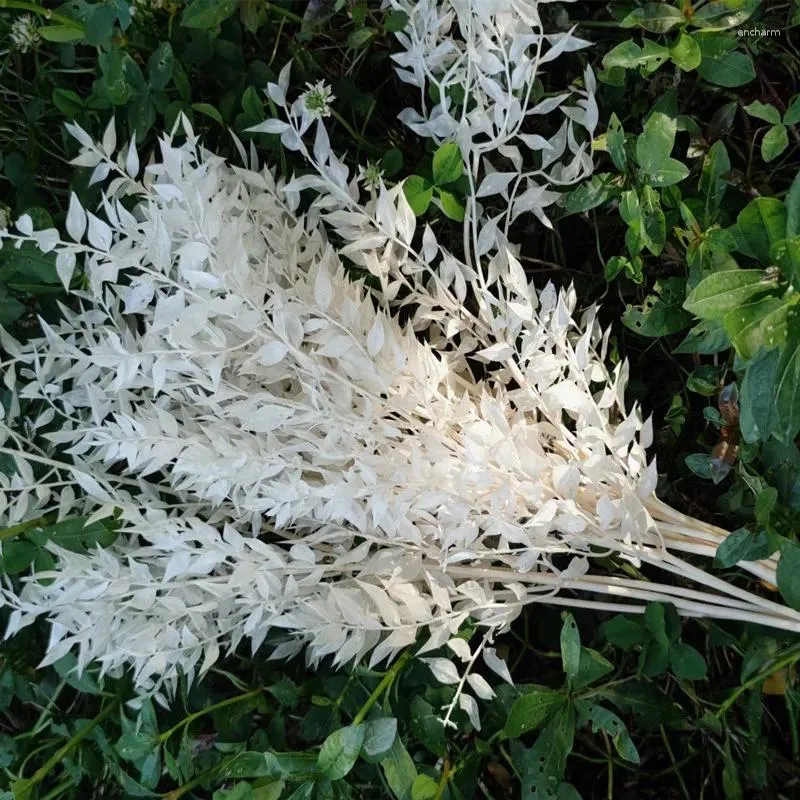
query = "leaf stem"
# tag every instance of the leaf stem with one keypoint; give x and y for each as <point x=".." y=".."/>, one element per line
<point x="384" y="684"/>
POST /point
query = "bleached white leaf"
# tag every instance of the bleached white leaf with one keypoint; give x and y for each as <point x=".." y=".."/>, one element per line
<point x="480" y="686"/>
<point x="138" y="296"/>
<point x="270" y="126"/>
<point x="76" y="218"/>
<point x="25" y="225"/>
<point x="430" y="247"/>
<point x="323" y="289"/>
<point x="461" y="648"/>
<point x="494" y="183"/>
<point x="99" y="234"/>
<point x="375" y="337"/>
<point x="496" y="664"/>
<point x="272" y="353"/>
<point x="65" y="267"/>
<point x="443" y="670"/>
<point x="132" y="159"/>
<point x="109" y="142"/>
<point x="496" y="352"/>
<point x="468" y="703"/>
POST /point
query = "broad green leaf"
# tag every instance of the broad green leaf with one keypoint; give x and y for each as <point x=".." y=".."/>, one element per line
<point x="614" y="266"/>
<point x="209" y="111"/>
<point x="793" y="208"/>
<point x="758" y="413"/>
<point x="448" y="166"/>
<point x="592" y="667"/>
<point x="775" y="141"/>
<point x="706" y="338"/>
<point x="615" y="140"/>
<point x="419" y="193"/>
<point x="685" y="52"/>
<point x="399" y="770"/>
<point x="532" y="710"/>
<point x="765" y="504"/>
<point x="713" y="179"/>
<point x="542" y="767"/>
<point x="764" y="111"/>
<point x="67" y="102"/>
<point x="61" y="33"/>
<point x="792" y="114"/>
<point x="252" y="764"/>
<point x="653" y="17"/>
<point x="672" y="172"/>
<point x="570" y="648"/>
<point x="453" y="208"/>
<point x="687" y="663"/>
<point x="723" y="14"/>
<point x="660" y="314"/>
<point x="379" y="736"/>
<point x="788" y="574"/>
<point x="395" y="21"/>
<point x="17" y="556"/>
<point x="722" y="292"/>
<point x="623" y="632"/>
<point x="723" y="65"/>
<point x="601" y="719"/>
<point x="340" y="751"/>
<point x="654" y="226"/>
<point x="650" y="705"/>
<point x="760" y="224"/>
<point x="208" y="15"/>
<point x="424" y="788"/>
<point x="427" y="726"/>
<point x="592" y="193"/>
<point x="654" y="144"/>
<point x="746" y="324"/>
<point x="787" y="398"/>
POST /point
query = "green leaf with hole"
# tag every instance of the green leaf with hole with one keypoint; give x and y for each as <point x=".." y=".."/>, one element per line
<point x="723" y="292"/>
<point x="628" y="55"/>
<point x="601" y="719"/>
<point x="448" y="166"/>
<point x="542" y="767"/>
<point x="419" y="193"/>
<point x="532" y="710"/>
<point x="661" y="313"/>
<point x="685" y="52"/>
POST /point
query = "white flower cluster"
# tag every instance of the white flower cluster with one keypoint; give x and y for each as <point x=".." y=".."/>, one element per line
<point x="24" y="33"/>
<point x="289" y="457"/>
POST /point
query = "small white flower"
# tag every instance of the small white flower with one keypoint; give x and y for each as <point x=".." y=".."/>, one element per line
<point x="317" y="99"/>
<point x="371" y="175"/>
<point x="24" y="33"/>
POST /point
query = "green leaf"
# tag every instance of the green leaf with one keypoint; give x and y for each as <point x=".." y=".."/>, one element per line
<point x="61" y="33"/>
<point x="760" y="224"/>
<point x="623" y="632"/>
<point x="721" y="64"/>
<point x="650" y="705"/>
<point x="706" y="338"/>
<point x="17" y="556"/>
<point x="614" y="266"/>
<point x="360" y="37"/>
<point x="542" y="767"/>
<point x="392" y="162"/>
<point x="592" y="667"/>
<point x="746" y="325"/>
<point x="160" y="66"/>
<point x="775" y="141"/>
<point x="399" y="770"/>
<point x="654" y="144"/>
<point x="788" y="574"/>
<point x="241" y="791"/>
<point x="793" y="209"/>
<point x="722" y="14"/>
<point x="532" y="710"/>
<point x="722" y="292"/>
<point x="591" y="193"/>
<point x="453" y="208"/>
<point x="601" y="719"/>
<point x="615" y="140"/>
<point x="765" y="504"/>
<point x="764" y="111"/>
<point x="448" y="166"/>
<point x="629" y="55"/>
<point x="687" y="663"/>
<point x="379" y="736"/>
<point x="685" y="52"/>
<point x="653" y="17"/>
<point x="672" y="172"/>
<point x="208" y="15"/>
<point x="252" y="764"/>
<point x="700" y="465"/>
<point x="787" y="398"/>
<point x="713" y="179"/>
<point x="340" y="751"/>
<point x="419" y="193"/>
<point x="395" y="21"/>
<point x="207" y="110"/>
<point x="654" y="226"/>
<point x="660" y="314"/>
<point x="570" y="648"/>
<point x="427" y="726"/>
<point x="742" y="545"/>
<point x="758" y="412"/>
<point x="67" y="102"/>
<point x="424" y="788"/>
<point x="792" y="114"/>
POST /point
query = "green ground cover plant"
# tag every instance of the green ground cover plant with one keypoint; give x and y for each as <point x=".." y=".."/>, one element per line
<point x="688" y="235"/>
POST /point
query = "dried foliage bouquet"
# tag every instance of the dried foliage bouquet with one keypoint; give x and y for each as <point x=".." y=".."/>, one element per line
<point x="310" y="421"/>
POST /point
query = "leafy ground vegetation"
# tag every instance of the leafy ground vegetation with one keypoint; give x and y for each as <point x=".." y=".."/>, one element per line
<point x="687" y="233"/>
